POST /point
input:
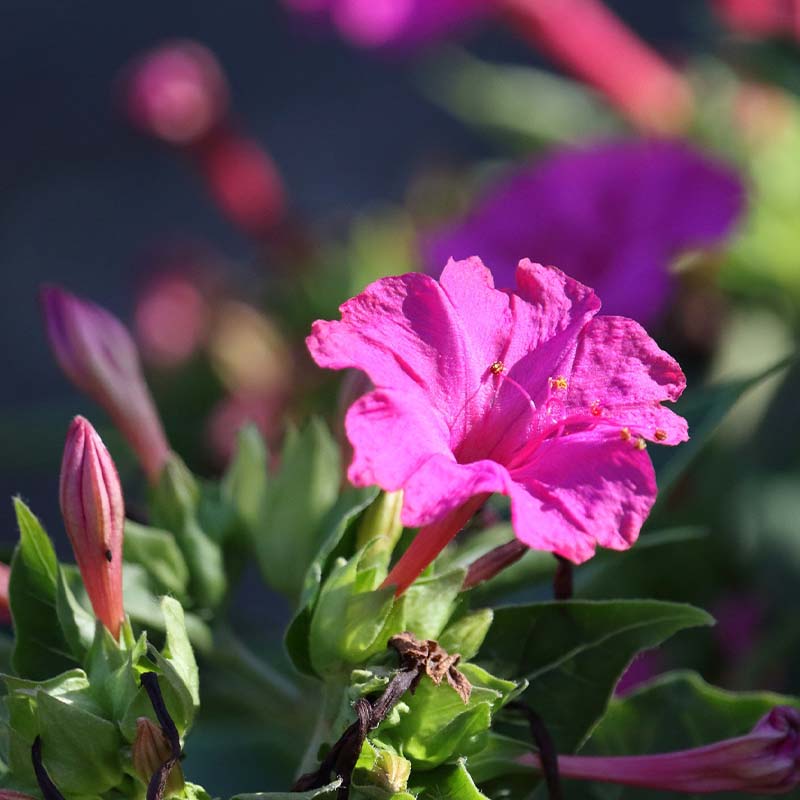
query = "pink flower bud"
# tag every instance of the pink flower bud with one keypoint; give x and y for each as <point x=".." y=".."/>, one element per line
<point x="99" y="356"/>
<point x="764" y="761"/>
<point x="5" y="608"/>
<point x="94" y="514"/>
<point x="176" y="93"/>
<point x="589" y="41"/>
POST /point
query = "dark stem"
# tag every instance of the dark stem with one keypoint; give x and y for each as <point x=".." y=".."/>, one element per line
<point x="562" y="581"/>
<point x="158" y="782"/>
<point x="493" y="562"/>
<point x="47" y="787"/>
<point x="548" y="756"/>
<point x="342" y="757"/>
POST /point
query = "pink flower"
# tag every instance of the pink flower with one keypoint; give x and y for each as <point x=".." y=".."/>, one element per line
<point x="94" y="514"/>
<point x="176" y="92"/>
<point x="613" y="214"/>
<point x="764" y="761"/>
<point x="524" y="393"/>
<point x="99" y="356"/>
<point x="761" y="18"/>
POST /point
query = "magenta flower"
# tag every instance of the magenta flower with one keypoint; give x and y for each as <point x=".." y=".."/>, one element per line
<point x="94" y="514"/>
<point x="613" y="215"/>
<point x="99" y="356"/>
<point x="393" y="23"/>
<point x="524" y="393"/>
<point x="764" y="761"/>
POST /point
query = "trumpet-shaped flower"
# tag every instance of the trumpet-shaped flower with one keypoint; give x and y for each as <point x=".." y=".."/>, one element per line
<point x="614" y="214"/>
<point x="99" y="356"/>
<point x="764" y="761"/>
<point x="525" y="393"/>
<point x="94" y="514"/>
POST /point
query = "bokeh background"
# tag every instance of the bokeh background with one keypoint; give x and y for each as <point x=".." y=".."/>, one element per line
<point x="371" y="147"/>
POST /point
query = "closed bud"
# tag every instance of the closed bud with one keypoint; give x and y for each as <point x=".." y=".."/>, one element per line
<point x="92" y="506"/>
<point x="99" y="356"/>
<point x="150" y="751"/>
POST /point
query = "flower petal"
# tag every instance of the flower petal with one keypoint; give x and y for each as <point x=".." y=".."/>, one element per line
<point x="580" y="491"/>
<point x="621" y="374"/>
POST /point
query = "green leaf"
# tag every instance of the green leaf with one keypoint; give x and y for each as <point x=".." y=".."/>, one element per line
<point x="351" y="617"/>
<point x="429" y="603"/>
<point x="704" y="410"/>
<point x="244" y="484"/>
<point x="178" y="650"/>
<point x="451" y="782"/>
<point x="340" y="520"/>
<point x="677" y="710"/>
<point x="574" y="652"/>
<point x="466" y="634"/>
<point x="296" y="500"/>
<point x="176" y="501"/>
<point x="77" y="624"/>
<point x="436" y="726"/>
<point x="40" y="648"/>
<point x="158" y="553"/>
<point x="81" y="751"/>
<point x="325" y="793"/>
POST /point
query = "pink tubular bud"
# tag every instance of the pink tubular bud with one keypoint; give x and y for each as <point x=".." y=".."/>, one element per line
<point x="99" y="356"/>
<point x="5" y="608"/>
<point x="94" y="514"/>
<point x="764" y="761"/>
<point x="590" y="42"/>
<point x="176" y="93"/>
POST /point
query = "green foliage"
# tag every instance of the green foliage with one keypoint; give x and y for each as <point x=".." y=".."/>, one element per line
<point x="244" y="485"/>
<point x="157" y="552"/>
<point x="572" y="653"/>
<point x="451" y="782"/>
<point x="41" y="649"/>
<point x="325" y="793"/>
<point x="175" y="508"/>
<point x="294" y="505"/>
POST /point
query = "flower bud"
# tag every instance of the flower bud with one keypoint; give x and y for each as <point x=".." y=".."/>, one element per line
<point x="99" y="356"/>
<point x="150" y="750"/>
<point x="5" y="608"/>
<point x="92" y="506"/>
<point x="764" y="761"/>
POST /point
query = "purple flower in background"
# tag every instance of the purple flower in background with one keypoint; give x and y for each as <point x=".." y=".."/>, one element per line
<point x="393" y="23"/>
<point x="612" y="215"/>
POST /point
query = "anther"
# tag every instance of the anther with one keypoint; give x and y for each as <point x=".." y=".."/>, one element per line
<point x="640" y="443"/>
<point x="660" y="435"/>
<point x="595" y="409"/>
<point x="559" y="382"/>
<point x="625" y="434"/>
<point x="497" y="367"/>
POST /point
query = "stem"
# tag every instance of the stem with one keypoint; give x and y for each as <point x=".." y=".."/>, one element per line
<point x="493" y="562"/>
<point x="562" y="580"/>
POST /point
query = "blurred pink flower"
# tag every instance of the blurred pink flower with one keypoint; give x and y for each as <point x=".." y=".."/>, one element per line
<point x="232" y="413"/>
<point x="524" y="393"/>
<point x="613" y="215"/>
<point x="393" y="23"/>
<point x="172" y="318"/>
<point x="94" y="514"/>
<point x="739" y="618"/>
<point x="764" y="761"/>
<point x="96" y="352"/>
<point x="176" y="92"/>
<point x="761" y="18"/>
<point x="643" y="668"/>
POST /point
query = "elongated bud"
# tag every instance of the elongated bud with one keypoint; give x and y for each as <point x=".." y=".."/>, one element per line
<point x="99" y="356"/>
<point x="764" y="761"/>
<point x="5" y="608"/>
<point x="588" y="40"/>
<point x="94" y="514"/>
<point x="150" y="750"/>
